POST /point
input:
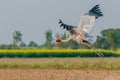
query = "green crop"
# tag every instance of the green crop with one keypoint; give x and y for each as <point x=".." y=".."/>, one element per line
<point x="55" y="53"/>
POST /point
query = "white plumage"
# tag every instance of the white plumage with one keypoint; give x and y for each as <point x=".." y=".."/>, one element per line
<point x="86" y="24"/>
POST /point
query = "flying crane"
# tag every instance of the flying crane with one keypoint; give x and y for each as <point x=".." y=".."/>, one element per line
<point x="81" y="32"/>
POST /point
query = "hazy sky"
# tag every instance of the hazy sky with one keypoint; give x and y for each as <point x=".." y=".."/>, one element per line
<point x="34" y="17"/>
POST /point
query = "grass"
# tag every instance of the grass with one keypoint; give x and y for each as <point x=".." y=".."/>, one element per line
<point x="62" y="63"/>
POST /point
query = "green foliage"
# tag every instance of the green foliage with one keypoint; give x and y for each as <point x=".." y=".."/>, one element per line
<point x="32" y="44"/>
<point x="22" y="44"/>
<point x="17" y="37"/>
<point x="64" y="36"/>
<point x="102" y="43"/>
<point x="4" y="46"/>
<point x="109" y="39"/>
<point x="73" y="44"/>
<point x="54" y="53"/>
<point x="48" y="43"/>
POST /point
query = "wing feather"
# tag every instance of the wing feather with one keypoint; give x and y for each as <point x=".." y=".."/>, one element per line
<point x="86" y="24"/>
<point x="87" y="20"/>
<point x="95" y="11"/>
<point x="65" y="26"/>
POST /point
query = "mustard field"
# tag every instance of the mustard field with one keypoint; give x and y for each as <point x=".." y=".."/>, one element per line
<point x="56" y="53"/>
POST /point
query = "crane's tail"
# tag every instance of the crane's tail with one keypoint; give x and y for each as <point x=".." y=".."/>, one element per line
<point x="100" y="54"/>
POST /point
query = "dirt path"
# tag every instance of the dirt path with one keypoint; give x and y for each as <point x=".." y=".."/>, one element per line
<point x="38" y="74"/>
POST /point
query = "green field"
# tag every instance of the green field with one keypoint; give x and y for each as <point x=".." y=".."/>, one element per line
<point x="55" y="53"/>
<point x="60" y="59"/>
<point x="62" y="63"/>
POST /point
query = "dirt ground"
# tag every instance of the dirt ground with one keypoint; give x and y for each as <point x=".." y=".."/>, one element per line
<point x="38" y="74"/>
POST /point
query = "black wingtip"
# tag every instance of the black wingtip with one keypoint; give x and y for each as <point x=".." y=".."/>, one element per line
<point x="65" y="26"/>
<point x="60" y="21"/>
<point x="96" y="11"/>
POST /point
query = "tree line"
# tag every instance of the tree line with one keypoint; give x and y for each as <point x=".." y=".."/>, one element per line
<point x="108" y="39"/>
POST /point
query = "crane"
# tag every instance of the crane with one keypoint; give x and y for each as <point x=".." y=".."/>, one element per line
<point x="81" y="32"/>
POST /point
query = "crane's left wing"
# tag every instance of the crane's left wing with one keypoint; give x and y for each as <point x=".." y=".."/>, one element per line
<point x="65" y="26"/>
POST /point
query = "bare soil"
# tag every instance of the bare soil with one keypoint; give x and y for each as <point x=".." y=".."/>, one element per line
<point x="40" y="74"/>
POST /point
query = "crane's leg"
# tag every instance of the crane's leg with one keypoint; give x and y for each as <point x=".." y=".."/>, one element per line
<point x="93" y="47"/>
<point x="96" y="49"/>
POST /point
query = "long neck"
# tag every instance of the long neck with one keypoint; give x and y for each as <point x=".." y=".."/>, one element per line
<point x="66" y="40"/>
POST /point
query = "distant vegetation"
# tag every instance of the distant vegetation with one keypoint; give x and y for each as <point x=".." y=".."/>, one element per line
<point x="109" y="39"/>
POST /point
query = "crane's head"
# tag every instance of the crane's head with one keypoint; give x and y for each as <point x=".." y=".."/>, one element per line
<point x="58" y="40"/>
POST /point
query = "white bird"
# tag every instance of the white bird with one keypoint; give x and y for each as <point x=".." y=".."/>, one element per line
<point x="78" y="33"/>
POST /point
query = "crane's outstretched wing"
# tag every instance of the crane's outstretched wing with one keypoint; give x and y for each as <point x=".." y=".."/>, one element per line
<point x="86" y="24"/>
<point x="65" y="26"/>
<point x="87" y="20"/>
<point x="95" y="11"/>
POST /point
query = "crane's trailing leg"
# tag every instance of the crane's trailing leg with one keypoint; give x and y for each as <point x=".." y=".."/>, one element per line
<point x="93" y="47"/>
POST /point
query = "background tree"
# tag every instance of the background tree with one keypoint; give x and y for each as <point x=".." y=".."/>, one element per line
<point x="109" y="39"/>
<point x="102" y="43"/>
<point x="73" y="44"/>
<point x="48" y="43"/>
<point x="118" y="37"/>
<point x="17" y="37"/>
<point x="32" y="44"/>
<point x="6" y="46"/>
<point x="22" y="44"/>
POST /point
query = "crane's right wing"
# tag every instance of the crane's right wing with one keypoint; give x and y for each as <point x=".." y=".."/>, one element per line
<point x="87" y="20"/>
<point x="96" y="11"/>
<point x="86" y="24"/>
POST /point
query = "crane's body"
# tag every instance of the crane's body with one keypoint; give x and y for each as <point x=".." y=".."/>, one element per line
<point x="85" y="27"/>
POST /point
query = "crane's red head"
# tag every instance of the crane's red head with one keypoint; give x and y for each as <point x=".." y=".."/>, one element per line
<point x="58" y="40"/>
